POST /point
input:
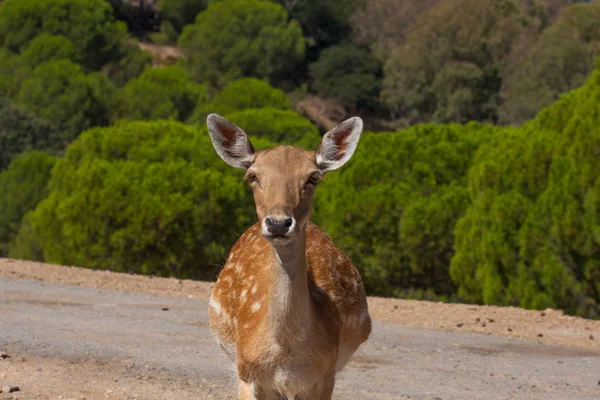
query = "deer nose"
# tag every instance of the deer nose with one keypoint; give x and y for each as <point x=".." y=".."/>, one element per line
<point x="277" y="226"/>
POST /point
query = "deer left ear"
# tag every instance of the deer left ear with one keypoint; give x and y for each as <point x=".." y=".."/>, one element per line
<point x="230" y="142"/>
<point x="339" y="144"/>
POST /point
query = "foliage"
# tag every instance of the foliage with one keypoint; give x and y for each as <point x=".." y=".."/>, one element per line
<point x="88" y="24"/>
<point x="382" y="25"/>
<point x="147" y="197"/>
<point x="238" y="38"/>
<point x="278" y="126"/>
<point x="22" y="131"/>
<point x="179" y="13"/>
<point x="131" y="64"/>
<point x="392" y="209"/>
<point x="22" y="187"/>
<point x="448" y="69"/>
<point x="61" y="93"/>
<point x="160" y="93"/>
<point x="324" y="22"/>
<point x="240" y="95"/>
<point x="558" y="62"/>
<point x="347" y="73"/>
<point x="532" y="237"/>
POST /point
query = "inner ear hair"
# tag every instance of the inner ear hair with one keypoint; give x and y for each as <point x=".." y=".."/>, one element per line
<point x="339" y="144"/>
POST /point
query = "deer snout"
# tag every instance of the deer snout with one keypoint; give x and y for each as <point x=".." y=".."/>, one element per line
<point x="278" y="226"/>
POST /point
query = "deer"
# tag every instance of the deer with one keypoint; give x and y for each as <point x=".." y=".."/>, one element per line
<point x="288" y="307"/>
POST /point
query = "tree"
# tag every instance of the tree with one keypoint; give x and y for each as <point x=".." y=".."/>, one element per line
<point x="179" y="13"/>
<point x="325" y="23"/>
<point x="531" y="237"/>
<point x="61" y="93"/>
<point x="240" y="95"/>
<point x="47" y="47"/>
<point x="348" y="74"/>
<point x="278" y="126"/>
<point x="147" y="197"/>
<point x="559" y="61"/>
<point x="22" y="131"/>
<point x="383" y="24"/>
<point x="88" y="24"/>
<point x="393" y="208"/>
<point x="131" y="64"/>
<point x="160" y="93"/>
<point x="449" y="67"/>
<point x="238" y="38"/>
<point x="22" y="187"/>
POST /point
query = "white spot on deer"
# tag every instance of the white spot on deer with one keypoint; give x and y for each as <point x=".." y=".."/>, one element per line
<point x="251" y="278"/>
<point x="227" y="279"/>
<point x="246" y="326"/>
<point x="243" y="296"/>
<point x="254" y="288"/>
<point x="215" y="305"/>
<point x="255" y="306"/>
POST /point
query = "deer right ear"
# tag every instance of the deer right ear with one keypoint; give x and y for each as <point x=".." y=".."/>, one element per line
<point x="230" y="142"/>
<point x="339" y="144"/>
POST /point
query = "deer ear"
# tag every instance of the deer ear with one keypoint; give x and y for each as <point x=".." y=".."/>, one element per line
<point x="339" y="144"/>
<point x="230" y="142"/>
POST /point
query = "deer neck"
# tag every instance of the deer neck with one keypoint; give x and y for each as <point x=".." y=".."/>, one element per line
<point x="289" y="302"/>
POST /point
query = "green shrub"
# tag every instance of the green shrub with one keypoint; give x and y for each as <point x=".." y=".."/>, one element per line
<point x="278" y="126"/>
<point x="22" y="131"/>
<point x="147" y="197"/>
<point x="238" y="38"/>
<point x="531" y="238"/>
<point x="160" y="93"/>
<point x="22" y="187"/>
<point x="88" y="24"/>
<point x="131" y="64"/>
<point x="240" y="95"/>
<point x="347" y="73"/>
<point x="393" y="208"/>
<point x="61" y="93"/>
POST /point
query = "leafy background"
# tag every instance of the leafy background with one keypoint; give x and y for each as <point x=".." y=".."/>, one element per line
<point x="477" y="179"/>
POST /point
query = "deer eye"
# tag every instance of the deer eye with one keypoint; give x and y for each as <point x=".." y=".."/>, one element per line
<point x="313" y="180"/>
<point x="252" y="178"/>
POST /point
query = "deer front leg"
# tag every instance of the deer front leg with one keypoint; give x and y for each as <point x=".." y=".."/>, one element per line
<point x="251" y="391"/>
<point x="322" y="390"/>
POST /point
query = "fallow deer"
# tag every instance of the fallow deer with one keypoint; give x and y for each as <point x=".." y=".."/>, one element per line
<point x="288" y="308"/>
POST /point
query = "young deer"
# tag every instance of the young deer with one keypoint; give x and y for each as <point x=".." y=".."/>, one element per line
<point x="288" y="307"/>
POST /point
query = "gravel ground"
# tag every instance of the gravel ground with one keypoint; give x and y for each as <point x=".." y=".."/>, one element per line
<point x="70" y="342"/>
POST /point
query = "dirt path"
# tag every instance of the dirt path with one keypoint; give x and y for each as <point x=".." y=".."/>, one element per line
<point x="549" y="326"/>
<point x="69" y="342"/>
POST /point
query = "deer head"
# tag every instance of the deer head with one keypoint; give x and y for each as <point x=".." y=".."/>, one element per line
<point x="284" y="178"/>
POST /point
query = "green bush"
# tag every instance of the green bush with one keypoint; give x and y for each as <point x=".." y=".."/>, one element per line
<point x="278" y="126"/>
<point x="22" y="187"/>
<point x="131" y="64"/>
<point x="240" y="95"/>
<point x="147" y="197"/>
<point x="393" y="208"/>
<point x="22" y="131"/>
<point x="238" y="38"/>
<point x="179" y="13"/>
<point x="88" y="24"/>
<point x="46" y="47"/>
<point x="160" y="93"/>
<point x="532" y="238"/>
<point x="61" y="93"/>
<point x="347" y="73"/>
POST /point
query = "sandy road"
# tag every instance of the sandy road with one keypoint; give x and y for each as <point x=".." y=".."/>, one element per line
<point x="68" y="342"/>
